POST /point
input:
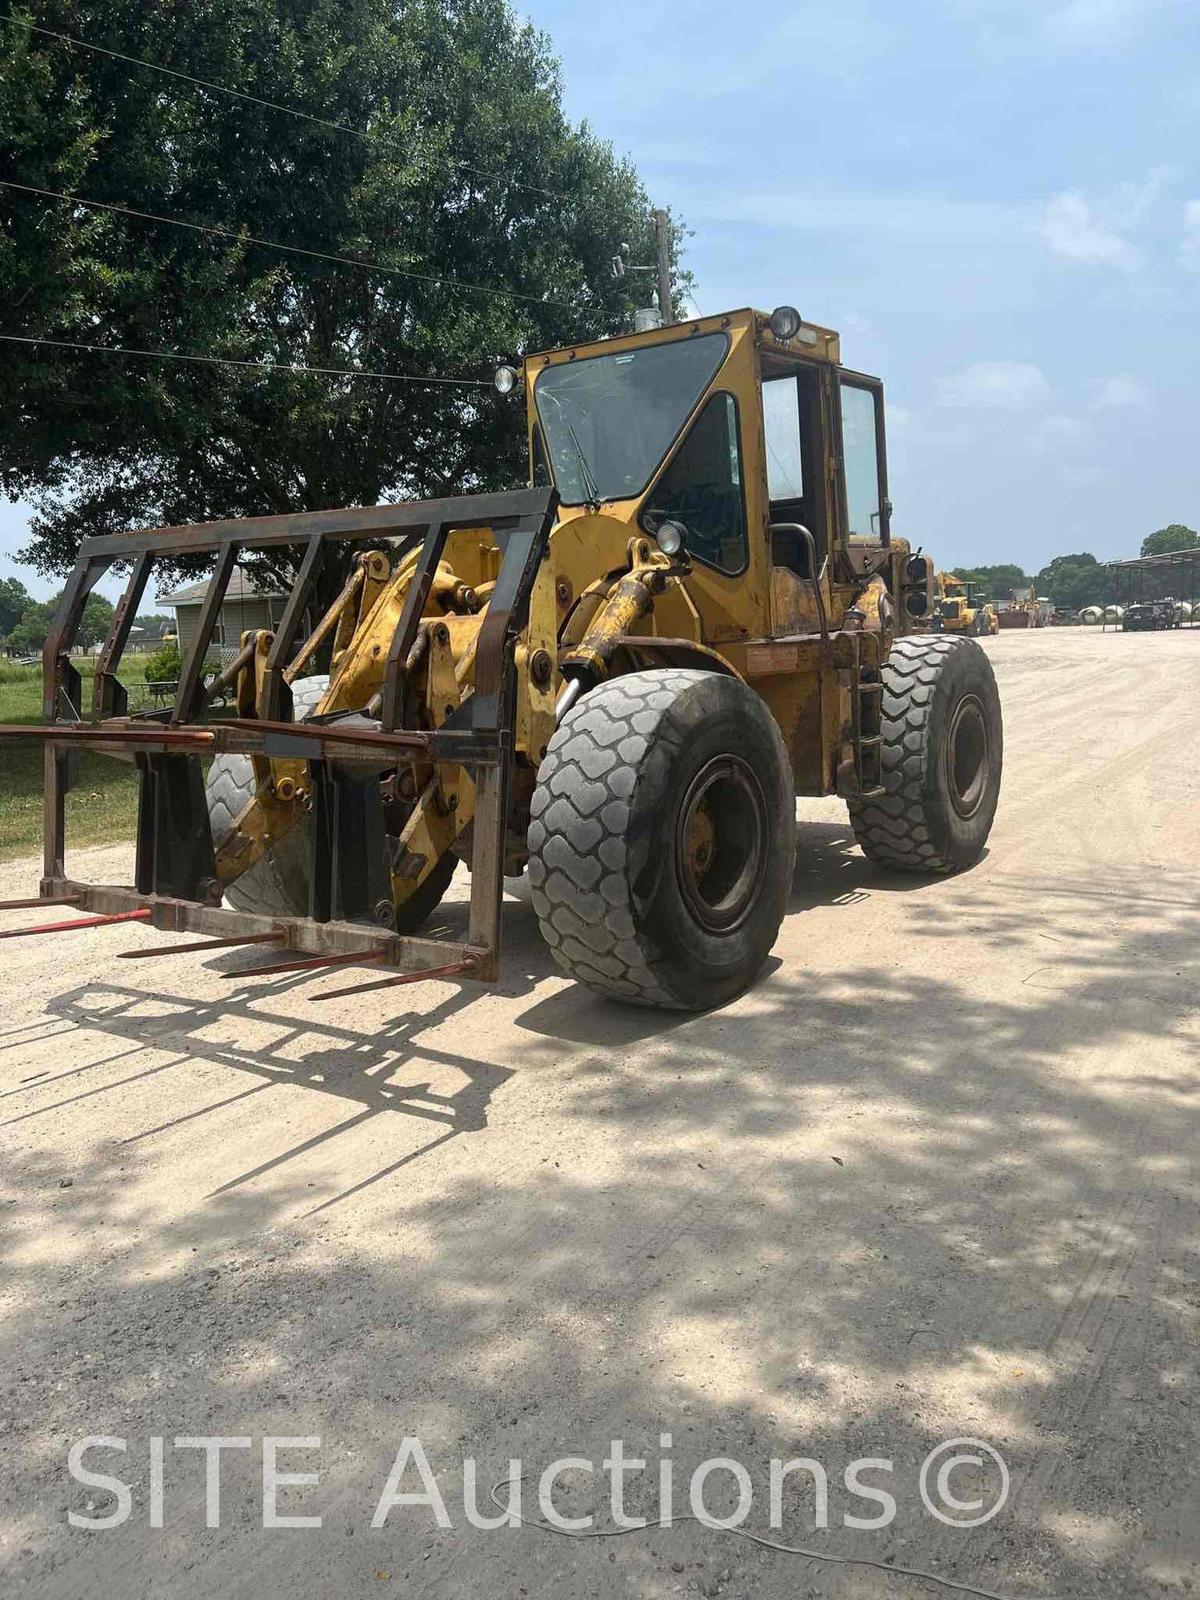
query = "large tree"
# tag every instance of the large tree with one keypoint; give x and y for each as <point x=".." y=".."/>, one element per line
<point x="1073" y="581"/>
<point x="14" y="603"/>
<point x="468" y="170"/>
<point x="1176" y="536"/>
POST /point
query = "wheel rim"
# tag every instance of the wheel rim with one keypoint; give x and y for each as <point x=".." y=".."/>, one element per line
<point x="719" y="843"/>
<point x="968" y="757"/>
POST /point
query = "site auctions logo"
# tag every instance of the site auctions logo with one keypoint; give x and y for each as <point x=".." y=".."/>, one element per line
<point x="961" y="1482"/>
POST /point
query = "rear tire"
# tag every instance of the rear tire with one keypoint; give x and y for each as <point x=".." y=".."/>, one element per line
<point x="943" y="748"/>
<point x="662" y="839"/>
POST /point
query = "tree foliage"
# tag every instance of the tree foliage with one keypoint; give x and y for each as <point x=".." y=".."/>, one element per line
<point x="29" y="634"/>
<point x="1176" y="536"/>
<point x="14" y="602"/>
<point x="469" y="170"/>
<point x="1073" y="581"/>
<point x="95" y="622"/>
<point x="996" y="582"/>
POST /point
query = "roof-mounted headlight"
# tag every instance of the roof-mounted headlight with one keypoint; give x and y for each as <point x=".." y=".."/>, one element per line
<point x="785" y="322"/>
<point x="506" y="379"/>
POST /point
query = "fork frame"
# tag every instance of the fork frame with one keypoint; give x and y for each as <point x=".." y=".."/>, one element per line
<point x="175" y="878"/>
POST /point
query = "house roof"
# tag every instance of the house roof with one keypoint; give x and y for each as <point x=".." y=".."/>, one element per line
<point x="241" y="587"/>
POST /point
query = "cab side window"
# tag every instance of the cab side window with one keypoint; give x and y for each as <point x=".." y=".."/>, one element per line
<point x="702" y="489"/>
<point x="781" y="434"/>
<point x="860" y="455"/>
<point x="793" y="440"/>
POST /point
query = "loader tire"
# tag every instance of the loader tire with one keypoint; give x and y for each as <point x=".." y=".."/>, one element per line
<point x="277" y="884"/>
<point x="943" y="747"/>
<point x="662" y="839"/>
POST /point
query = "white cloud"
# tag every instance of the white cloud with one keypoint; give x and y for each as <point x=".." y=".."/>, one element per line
<point x="1189" y="251"/>
<point x="1073" y="228"/>
<point x="1005" y="385"/>
<point x="1120" y="393"/>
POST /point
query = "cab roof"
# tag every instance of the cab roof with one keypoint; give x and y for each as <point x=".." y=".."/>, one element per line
<point x="813" y="341"/>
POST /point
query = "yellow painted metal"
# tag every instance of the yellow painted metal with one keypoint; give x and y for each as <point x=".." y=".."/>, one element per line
<point x="604" y="584"/>
<point x="537" y="670"/>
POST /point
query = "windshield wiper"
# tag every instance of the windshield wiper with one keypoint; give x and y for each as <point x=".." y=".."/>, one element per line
<point x="590" y="487"/>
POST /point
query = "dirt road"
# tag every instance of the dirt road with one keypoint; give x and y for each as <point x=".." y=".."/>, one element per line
<point x="935" y="1176"/>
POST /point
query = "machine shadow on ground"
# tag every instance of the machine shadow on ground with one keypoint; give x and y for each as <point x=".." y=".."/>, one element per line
<point x="772" y="1300"/>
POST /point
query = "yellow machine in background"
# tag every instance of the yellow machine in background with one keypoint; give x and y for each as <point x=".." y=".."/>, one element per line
<point x="959" y="609"/>
<point x="617" y="680"/>
<point x="1026" y="610"/>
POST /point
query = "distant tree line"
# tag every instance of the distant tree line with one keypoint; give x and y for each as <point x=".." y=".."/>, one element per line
<point x="1072" y="581"/>
<point x="25" y="622"/>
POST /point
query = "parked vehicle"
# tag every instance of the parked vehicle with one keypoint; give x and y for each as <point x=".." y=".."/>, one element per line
<point x="1144" y="616"/>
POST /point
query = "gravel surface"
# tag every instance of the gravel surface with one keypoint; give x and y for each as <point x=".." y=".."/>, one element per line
<point x="933" y="1177"/>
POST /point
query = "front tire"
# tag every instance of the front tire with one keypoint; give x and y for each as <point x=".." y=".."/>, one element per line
<point x="662" y="839"/>
<point x="277" y="885"/>
<point x="943" y="748"/>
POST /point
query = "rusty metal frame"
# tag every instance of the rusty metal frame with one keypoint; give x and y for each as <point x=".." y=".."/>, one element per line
<point x="479" y="736"/>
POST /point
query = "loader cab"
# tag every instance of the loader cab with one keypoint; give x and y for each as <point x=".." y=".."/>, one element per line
<point x="762" y="448"/>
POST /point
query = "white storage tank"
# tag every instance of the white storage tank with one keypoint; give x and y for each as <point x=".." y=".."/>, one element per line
<point x="1090" y="616"/>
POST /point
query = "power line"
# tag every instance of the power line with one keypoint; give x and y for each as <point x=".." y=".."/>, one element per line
<point x="252" y="99"/>
<point x="274" y="244"/>
<point x="257" y="366"/>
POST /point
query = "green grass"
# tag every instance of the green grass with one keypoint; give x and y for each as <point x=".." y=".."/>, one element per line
<point x="21" y="687"/>
<point x="101" y="808"/>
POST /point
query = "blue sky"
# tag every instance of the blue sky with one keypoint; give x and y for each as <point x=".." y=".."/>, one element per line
<point x="997" y="203"/>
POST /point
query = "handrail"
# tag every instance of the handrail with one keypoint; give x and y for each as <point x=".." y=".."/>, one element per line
<point x="814" y="577"/>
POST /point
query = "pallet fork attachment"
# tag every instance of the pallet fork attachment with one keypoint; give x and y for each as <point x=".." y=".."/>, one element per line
<point x="176" y="887"/>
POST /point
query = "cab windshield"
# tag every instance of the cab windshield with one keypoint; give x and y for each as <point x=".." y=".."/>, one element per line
<point x="609" y="420"/>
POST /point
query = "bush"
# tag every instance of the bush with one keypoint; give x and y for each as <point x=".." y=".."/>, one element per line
<point x="165" y="665"/>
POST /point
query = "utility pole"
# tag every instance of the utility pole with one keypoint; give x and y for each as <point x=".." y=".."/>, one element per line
<point x="662" y="234"/>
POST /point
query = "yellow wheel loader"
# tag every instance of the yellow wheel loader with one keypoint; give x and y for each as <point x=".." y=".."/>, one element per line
<point x="615" y="681"/>
<point x="960" y="609"/>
